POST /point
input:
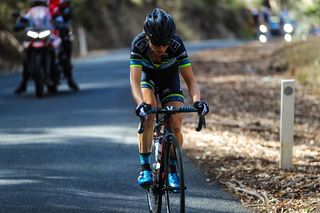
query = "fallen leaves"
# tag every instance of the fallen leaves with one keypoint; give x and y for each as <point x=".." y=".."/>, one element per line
<point x="240" y="147"/>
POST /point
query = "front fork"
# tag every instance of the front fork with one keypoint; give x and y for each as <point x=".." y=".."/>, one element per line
<point x="37" y="59"/>
<point x="48" y="63"/>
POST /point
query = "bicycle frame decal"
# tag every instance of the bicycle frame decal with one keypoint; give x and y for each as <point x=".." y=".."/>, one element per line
<point x="170" y="108"/>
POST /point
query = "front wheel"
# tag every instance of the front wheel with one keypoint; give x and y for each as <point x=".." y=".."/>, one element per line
<point x="38" y="75"/>
<point x="174" y="197"/>
<point x="156" y="191"/>
<point x="154" y="200"/>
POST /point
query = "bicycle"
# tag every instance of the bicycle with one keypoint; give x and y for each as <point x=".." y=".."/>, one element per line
<point x="168" y="146"/>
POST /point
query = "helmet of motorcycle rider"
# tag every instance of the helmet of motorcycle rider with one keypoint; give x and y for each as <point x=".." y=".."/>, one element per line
<point x="159" y="27"/>
<point x="34" y="3"/>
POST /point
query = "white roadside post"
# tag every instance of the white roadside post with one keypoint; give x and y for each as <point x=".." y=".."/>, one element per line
<point x="286" y="123"/>
<point x="83" y="47"/>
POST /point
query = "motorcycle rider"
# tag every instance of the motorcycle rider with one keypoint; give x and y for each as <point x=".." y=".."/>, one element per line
<point x="21" y="24"/>
<point x="61" y="12"/>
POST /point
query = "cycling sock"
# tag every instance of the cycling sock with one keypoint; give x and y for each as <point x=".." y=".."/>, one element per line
<point x="145" y="160"/>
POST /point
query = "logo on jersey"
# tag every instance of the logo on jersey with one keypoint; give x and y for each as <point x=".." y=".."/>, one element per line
<point x="174" y="45"/>
<point x="136" y="54"/>
<point x="183" y="54"/>
<point x="142" y="44"/>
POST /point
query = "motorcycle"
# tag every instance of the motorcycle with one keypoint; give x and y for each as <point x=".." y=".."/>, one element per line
<point x="40" y="47"/>
<point x="275" y="29"/>
<point x="263" y="34"/>
<point x="288" y="30"/>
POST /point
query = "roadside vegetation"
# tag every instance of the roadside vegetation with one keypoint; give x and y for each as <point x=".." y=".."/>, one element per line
<point x="301" y="60"/>
<point x="113" y="23"/>
<point x="240" y="147"/>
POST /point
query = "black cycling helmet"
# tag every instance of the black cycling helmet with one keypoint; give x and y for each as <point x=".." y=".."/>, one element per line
<point x="160" y="27"/>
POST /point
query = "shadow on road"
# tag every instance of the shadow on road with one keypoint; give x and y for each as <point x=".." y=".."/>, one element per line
<point x="77" y="152"/>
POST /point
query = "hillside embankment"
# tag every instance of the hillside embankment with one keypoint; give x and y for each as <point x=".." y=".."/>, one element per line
<point x="240" y="147"/>
<point x="113" y="24"/>
<point x="10" y="52"/>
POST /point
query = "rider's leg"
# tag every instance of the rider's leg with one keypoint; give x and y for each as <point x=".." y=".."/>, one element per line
<point x="145" y="141"/>
<point x="67" y="67"/>
<point x="176" y="126"/>
<point x="22" y="87"/>
<point x="174" y="181"/>
<point x="54" y="67"/>
<point x="176" y="121"/>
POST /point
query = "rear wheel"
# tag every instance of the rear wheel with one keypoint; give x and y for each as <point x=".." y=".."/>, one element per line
<point x="174" y="198"/>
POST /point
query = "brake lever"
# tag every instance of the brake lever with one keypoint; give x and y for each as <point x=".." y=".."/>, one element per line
<point x="202" y="123"/>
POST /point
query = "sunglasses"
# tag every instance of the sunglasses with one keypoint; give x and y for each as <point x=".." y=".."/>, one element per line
<point x="159" y="42"/>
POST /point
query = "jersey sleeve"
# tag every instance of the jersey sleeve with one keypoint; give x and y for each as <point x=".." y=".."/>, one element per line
<point x="135" y="55"/>
<point x="183" y="58"/>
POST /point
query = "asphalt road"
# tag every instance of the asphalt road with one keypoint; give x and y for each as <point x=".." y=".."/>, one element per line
<point x="77" y="152"/>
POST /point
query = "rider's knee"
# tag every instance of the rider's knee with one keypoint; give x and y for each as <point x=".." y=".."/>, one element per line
<point x="176" y="129"/>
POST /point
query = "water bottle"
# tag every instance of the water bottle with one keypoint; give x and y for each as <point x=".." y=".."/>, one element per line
<point x="158" y="150"/>
<point x="156" y="145"/>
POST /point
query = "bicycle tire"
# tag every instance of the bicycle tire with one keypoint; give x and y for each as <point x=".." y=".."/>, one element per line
<point x="154" y="199"/>
<point x="38" y="75"/>
<point x="155" y="192"/>
<point x="175" y="199"/>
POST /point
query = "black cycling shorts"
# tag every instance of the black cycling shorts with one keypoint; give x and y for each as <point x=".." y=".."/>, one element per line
<point x="169" y="88"/>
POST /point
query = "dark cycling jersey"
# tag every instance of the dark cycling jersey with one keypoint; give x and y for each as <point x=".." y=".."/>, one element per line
<point x="161" y="78"/>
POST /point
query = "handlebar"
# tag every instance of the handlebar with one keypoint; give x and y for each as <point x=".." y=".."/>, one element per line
<point x="173" y="110"/>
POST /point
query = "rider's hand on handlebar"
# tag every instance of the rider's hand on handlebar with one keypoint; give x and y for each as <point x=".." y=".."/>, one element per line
<point x="202" y="107"/>
<point x="142" y="110"/>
